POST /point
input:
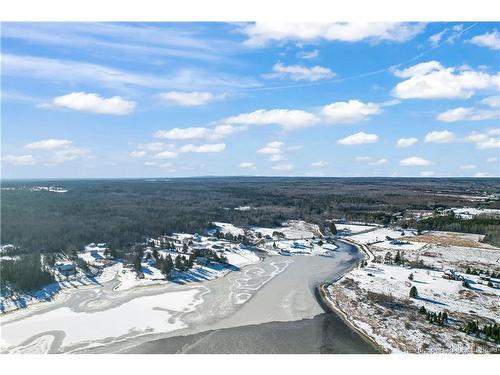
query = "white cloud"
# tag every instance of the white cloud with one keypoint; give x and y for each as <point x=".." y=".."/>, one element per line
<point x="306" y="55"/>
<point x="260" y="33"/>
<point x="468" y="166"/>
<point x="49" y="144"/>
<point x="492" y="101"/>
<point x="188" y="99"/>
<point x="165" y="155"/>
<point x="206" y="148"/>
<point x="378" y="162"/>
<point x="349" y="112"/>
<point x="492" y="160"/>
<point x="183" y="133"/>
<point x="154" y="146"/>
<point x="431" y="80"/>
<point x="282" y="167"/>
<point x="56" y="151"/>
<point x="452" y="34"/>
<point x="247" y="165"/>
<point x="363" y="158"/>
<point x="436" y="38"/>
<point x="444" y="136"/>
<point x="138" y="154"/>
<point x="427" y="173"/>
<point x="468" y="114"/>
<point x="288" y="119"/>
<point x="276" y="157"/>
<point x="414" y="161"/>
<point x="482" y="174"/>
<point x="490" y="40"/>
<point x="406" y="142"/>
<point x="217" y="132"/>
<point x="19" y="159"/>
<point x="319" y="164"/>
<point x="93" y="103"/>
<point x="488" y="144"/>
<point x="272" y="148"/>
<point x="358" y="139"/>
<point x="75" y="72"/>
<point x="300" y="73"/>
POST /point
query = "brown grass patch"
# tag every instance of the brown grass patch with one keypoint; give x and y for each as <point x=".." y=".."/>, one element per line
<point x="446" y="240"/>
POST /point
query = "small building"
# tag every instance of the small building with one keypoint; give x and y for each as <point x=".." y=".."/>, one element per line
<point x="66" y="268"/>
<point x="202" y="261"/>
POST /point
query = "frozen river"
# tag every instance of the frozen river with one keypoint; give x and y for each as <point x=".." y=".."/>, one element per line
<point x="270" y="307"/>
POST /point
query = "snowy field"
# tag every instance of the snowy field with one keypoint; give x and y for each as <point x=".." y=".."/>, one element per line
<point x="293" y="229"/>
<point x="375" y="299"/>
<point x="355" y="228"/>
<point x="379" y="235"/>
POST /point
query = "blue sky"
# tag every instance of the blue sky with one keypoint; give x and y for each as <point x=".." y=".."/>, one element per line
<point x="196" y="99"/>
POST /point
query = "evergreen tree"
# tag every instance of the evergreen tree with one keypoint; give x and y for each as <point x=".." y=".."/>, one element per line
<point x="333" y="228"/>
<point x="413" y="292"/>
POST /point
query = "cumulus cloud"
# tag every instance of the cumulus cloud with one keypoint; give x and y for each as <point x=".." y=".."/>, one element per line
<point x="319" y="164"/>
<point x="247" y="165"/>
<point x="431" y="80"/>
<point x="358" y="139"/>
<point x="292" y="119"/>
<point x="444" y="136"/>
<point x="206" y="148"/>
<point x="56" y="151"/>
<point x="188" y="99"/>
<point x="406" y="142"/>
<point x="349" y="112"/>
<point x="138" y="154"/>
<point x="261" y="33"/>
<point x="288" y="119"/>
<point x="468" y="114"/>
<point x="48" y="144"/>
<point x="378" y="162"/>
<point x="300" y="73"/>
<point x="217" y="132"/>
<point x="492" y="101"/>
<point x="414" y="161"/>
<point x="274" y="149"/>
<point x="93" y="103"/>
<point x="183" y="133"/>
<point x="165" y="155"/>
<point x="490" y="40"/>
<point x="19" y="159"/>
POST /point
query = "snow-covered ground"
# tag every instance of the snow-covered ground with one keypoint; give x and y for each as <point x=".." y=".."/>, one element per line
<point x="226" y="228"/>
<point x="293" y="229"/>
<point x="375" y="299"/>
<point x="354" y="228"/>
<point x="158" y="313"/>
<point x="380" y="234"/>
<point x="469" y="212"/>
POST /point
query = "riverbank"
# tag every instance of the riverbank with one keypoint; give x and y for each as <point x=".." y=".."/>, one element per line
<point x="329" y="302"/>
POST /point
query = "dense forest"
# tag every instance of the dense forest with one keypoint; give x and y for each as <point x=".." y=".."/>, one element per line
<point x="122" y="212"/>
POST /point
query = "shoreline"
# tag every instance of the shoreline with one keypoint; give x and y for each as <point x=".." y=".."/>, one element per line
<point x="322" y="293"/>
